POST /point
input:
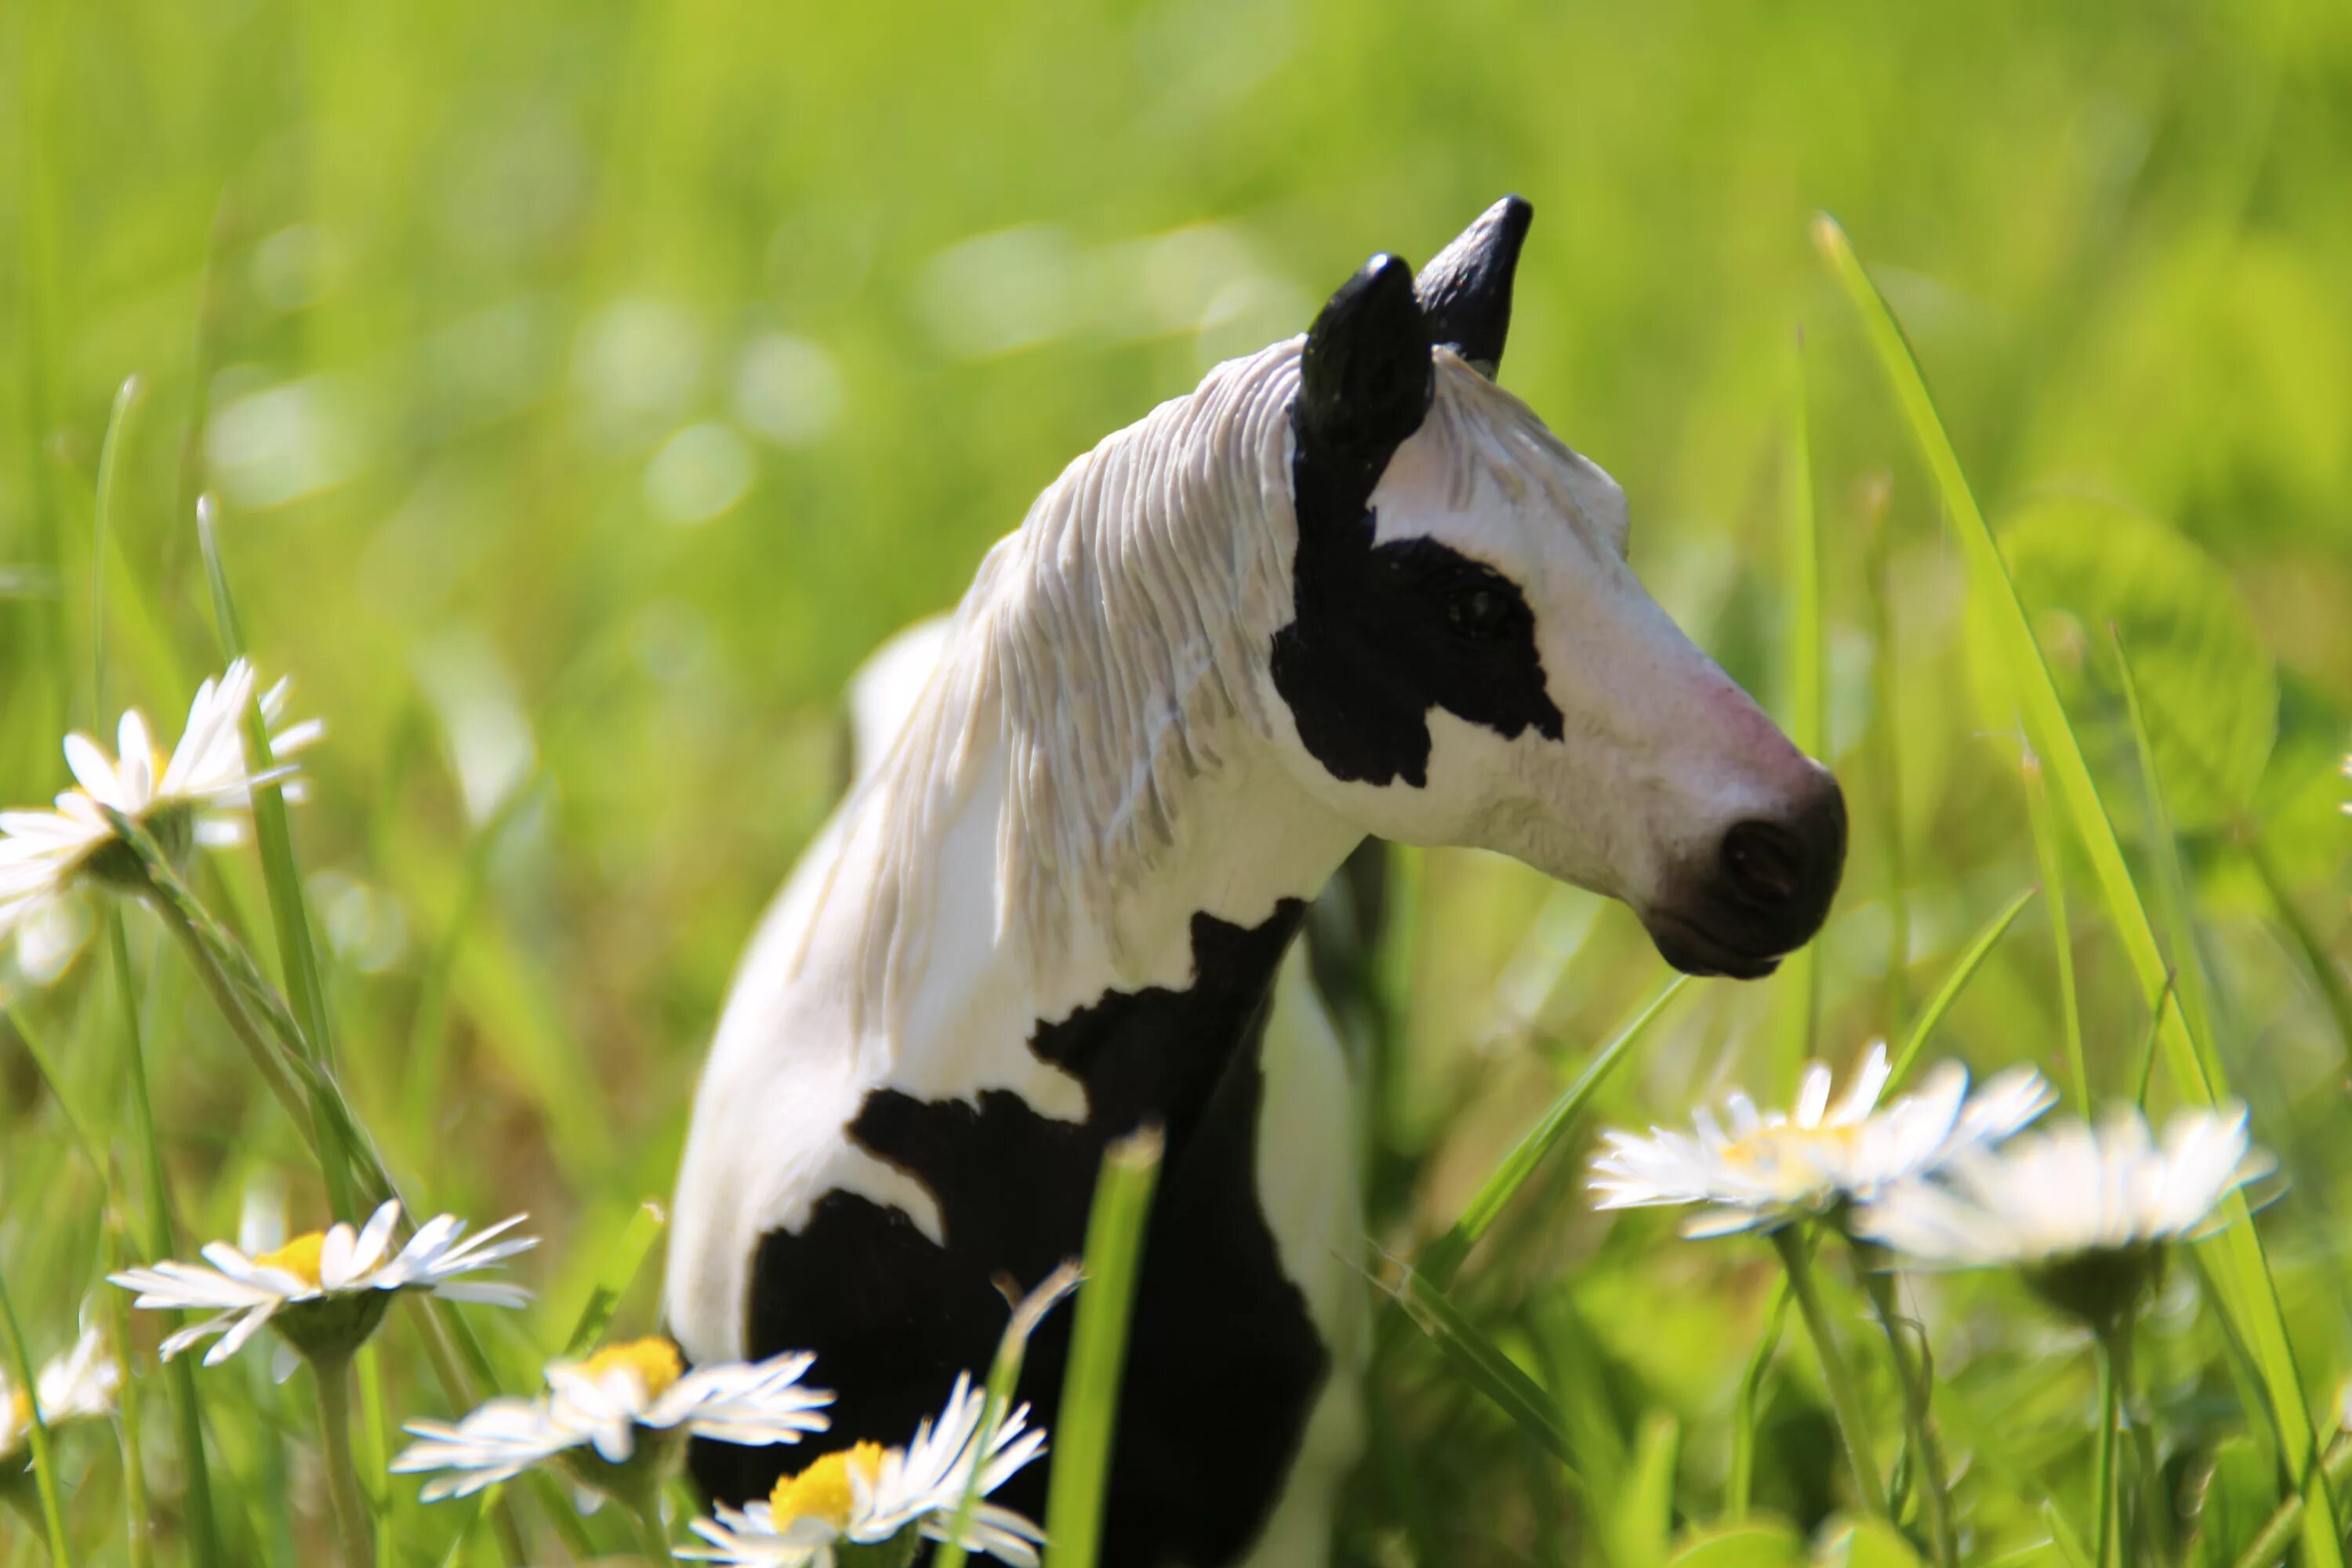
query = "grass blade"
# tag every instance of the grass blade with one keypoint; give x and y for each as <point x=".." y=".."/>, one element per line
<point x="204" y="1528"/>
<point x="2196" y="1074"/>
<point x="127" y="400"/>
<point x="1483" y="1365"/>
<point x="1807" y="700"/>
<point x="1082" y="1428"/>
<point x="1746" y="1406"/>
<point x="1955" y="982"/>
<point x="2046" y="855"/>
<point x="2164" y="853"/>
<point x="1886" y="701"/>
<point x="1441" y="1259"/>
<point x="37" y="1431"/>
<point x="644" y="1227"/>
<point x="298" y="955"/>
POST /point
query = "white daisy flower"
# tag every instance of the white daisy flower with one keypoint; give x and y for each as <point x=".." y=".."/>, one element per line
<point x="195" y="793"/>
<point x="2086" y="1211"/>
<point x="326" y="1290"/>
<point x="79" y="1385"/>
<point x="866" y="1494"/>
<point x="1768" y="1168"/>
<point x="614" y="1415"/>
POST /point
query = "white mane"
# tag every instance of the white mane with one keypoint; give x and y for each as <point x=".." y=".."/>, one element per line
<point x="1106" y="648"/>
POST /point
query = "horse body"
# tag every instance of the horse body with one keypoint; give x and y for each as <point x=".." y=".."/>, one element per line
<point x="1346" y="586"/>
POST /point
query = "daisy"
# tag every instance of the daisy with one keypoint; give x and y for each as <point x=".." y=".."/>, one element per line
<point x="1770" y="1168"/>
<point x="2086" y="1211"/>
<point x="325" y="1291"/>
<point x="193" y="794"/>
<point x="613" y="1418"/>
<point x="76" y="1386"/>
<point x="867" y="1494"/>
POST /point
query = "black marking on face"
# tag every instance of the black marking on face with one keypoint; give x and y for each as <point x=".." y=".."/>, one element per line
<point x="1385" y="633"/>
<point x="1224" y="1363"/>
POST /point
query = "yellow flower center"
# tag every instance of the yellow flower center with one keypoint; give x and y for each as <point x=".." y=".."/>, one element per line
<point x="20" y="1412"/>
<point x="824" y="1490"/>
<point x="654" y="1363"/>
<point x="298" y="1256"/>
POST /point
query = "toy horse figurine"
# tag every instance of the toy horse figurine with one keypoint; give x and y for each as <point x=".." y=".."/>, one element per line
<point x="1346" y="587"/>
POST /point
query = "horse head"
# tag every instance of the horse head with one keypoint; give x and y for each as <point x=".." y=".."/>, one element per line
<point x="1471" y="660"/>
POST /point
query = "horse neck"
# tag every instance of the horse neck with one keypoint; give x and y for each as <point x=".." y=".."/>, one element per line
<point x="1090" y="769"/>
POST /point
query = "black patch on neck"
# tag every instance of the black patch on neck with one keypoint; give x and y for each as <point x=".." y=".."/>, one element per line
<point x="1383" y="633"/>
<point x="1224" y="1363"/>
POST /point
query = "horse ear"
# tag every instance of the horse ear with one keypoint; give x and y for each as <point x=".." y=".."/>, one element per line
<point x="1465" y="292"/>
<point x="1365" y="379"/>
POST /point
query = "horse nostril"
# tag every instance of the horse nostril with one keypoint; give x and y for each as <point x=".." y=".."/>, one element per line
<point x="1766" y="864"/>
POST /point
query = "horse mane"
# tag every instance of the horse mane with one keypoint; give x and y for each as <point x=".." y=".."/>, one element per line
<point x="1106" y="648"/>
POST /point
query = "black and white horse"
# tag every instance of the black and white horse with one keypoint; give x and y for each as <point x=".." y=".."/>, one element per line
<point x="1348" y="586"/>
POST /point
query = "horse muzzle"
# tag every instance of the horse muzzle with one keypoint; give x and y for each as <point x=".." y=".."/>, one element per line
<point x="1761" y="893"/>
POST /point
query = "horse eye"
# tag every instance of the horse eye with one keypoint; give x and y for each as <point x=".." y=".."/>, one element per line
<point x="1479" y="613"/>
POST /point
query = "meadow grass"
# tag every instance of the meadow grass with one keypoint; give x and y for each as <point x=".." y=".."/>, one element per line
<point x="579" y="392"/>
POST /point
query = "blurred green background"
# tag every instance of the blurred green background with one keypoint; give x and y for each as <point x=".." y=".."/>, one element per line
<point x="588" y="387"/>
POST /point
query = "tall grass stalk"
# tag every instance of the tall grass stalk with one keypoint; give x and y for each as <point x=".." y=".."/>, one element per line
<point x="1083" y="1433"/>
<point x="2047" y="853"/>
<point x="44" y="1467"/>
<point x="2246" y="1286"/>
<point x="127" y="399"/>
<point x="1748" y="1404"/>
<point x="203" y="1530"/>
<point x="1953" y="984"/>
<point x="1886" y="702"/>
<point x="298" y="956"/>
<point x="1807" y="677"/>
<point x="1846" y="1400"/>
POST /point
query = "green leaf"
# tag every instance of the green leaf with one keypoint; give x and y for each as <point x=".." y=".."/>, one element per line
<point x="2084" y="566"/>
<point x="1744" y="1546"/>
<point x="1866" y="1544"/>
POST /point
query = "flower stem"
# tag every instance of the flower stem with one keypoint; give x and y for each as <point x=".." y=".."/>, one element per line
<point x="649" y="1526"/>
<point x="203" y="1532"/>
<point x="2110" y="1553"/>
<point x="1845" y="1403"/>
<point x="1913" y="1373"/>
<point x="334" y="1380"/>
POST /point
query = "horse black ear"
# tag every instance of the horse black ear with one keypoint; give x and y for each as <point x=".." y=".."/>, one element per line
<point x="1365" y="379"/>
<point x="1465" y="292"/>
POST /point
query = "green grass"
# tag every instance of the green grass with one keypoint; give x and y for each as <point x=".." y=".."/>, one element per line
<point x="585" y="388"/>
